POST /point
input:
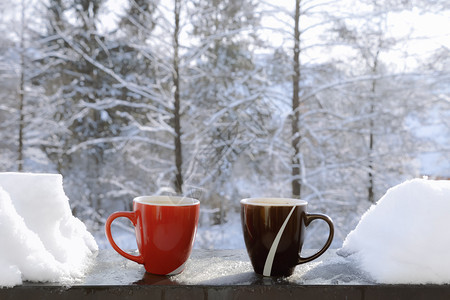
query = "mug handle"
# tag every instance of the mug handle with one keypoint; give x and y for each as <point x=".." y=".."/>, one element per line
<point x="132" y="217"/>
<point x="308" y="219"/>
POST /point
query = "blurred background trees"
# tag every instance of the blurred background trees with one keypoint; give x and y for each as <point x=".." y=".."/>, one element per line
<point x="224" y="100"/>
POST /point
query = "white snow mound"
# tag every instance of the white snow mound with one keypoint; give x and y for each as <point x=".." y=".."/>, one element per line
<point x="40" y="238"/>
<point x="404" y="237"/>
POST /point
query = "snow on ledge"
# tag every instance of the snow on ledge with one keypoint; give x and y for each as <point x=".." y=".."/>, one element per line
<point x="403" y="238"/>
<point x="40" y="238"/>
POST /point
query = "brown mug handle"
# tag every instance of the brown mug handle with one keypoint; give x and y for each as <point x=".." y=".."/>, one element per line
<point x="308" y="219"/>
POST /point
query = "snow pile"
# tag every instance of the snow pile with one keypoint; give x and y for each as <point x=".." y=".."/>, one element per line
<point x="404" y="237"/>
<point x="40" y="238"/>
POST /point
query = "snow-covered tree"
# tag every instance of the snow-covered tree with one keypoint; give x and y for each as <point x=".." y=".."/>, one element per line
<point x="383" y="98"/>
<point x="24" y="107"/>
<point x="8" y="95"/>
<point x="89" y="78"/>
<point x="226" y="92"/>
<point x="301" y="65"/>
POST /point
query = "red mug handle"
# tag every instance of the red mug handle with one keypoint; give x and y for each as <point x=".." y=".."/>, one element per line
<point x="308" y="219"/>
<point x="131" y="215"/>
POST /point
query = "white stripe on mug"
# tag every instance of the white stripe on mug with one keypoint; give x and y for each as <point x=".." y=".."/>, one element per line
<point x="269" y="260"/>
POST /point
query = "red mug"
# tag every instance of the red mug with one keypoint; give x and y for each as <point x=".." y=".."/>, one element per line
<point x="165" y="229"/>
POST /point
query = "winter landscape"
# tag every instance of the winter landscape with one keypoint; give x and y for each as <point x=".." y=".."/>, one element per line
<point x="222" y="100"/>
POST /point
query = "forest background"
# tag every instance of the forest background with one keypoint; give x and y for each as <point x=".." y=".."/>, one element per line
<point x="329" y="101"/>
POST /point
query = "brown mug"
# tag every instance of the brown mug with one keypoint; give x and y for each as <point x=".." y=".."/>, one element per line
<point x="274" y="231"/>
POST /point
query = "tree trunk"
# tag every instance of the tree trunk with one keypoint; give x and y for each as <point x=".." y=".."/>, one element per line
<point x="21" y="119"/>
<point x="370" y="188"/>
<point x="370" y="165"/>
<point x="296" y="137"/>
<point x="21" y="91"/>
<point x="178" y="183"/>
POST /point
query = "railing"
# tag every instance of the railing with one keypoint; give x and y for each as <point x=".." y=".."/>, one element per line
<point x="223" y="274"/>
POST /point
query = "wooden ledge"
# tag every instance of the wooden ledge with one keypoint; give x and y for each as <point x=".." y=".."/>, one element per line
<point x="223" y="274"/>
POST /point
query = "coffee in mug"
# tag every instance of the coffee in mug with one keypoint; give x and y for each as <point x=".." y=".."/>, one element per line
<point x="165" y="229"/>
<point x="274" y="231"/>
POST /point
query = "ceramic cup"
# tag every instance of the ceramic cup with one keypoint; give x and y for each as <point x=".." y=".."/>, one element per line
<point x="274" y="231"/>
<point x="165" y="229"/>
